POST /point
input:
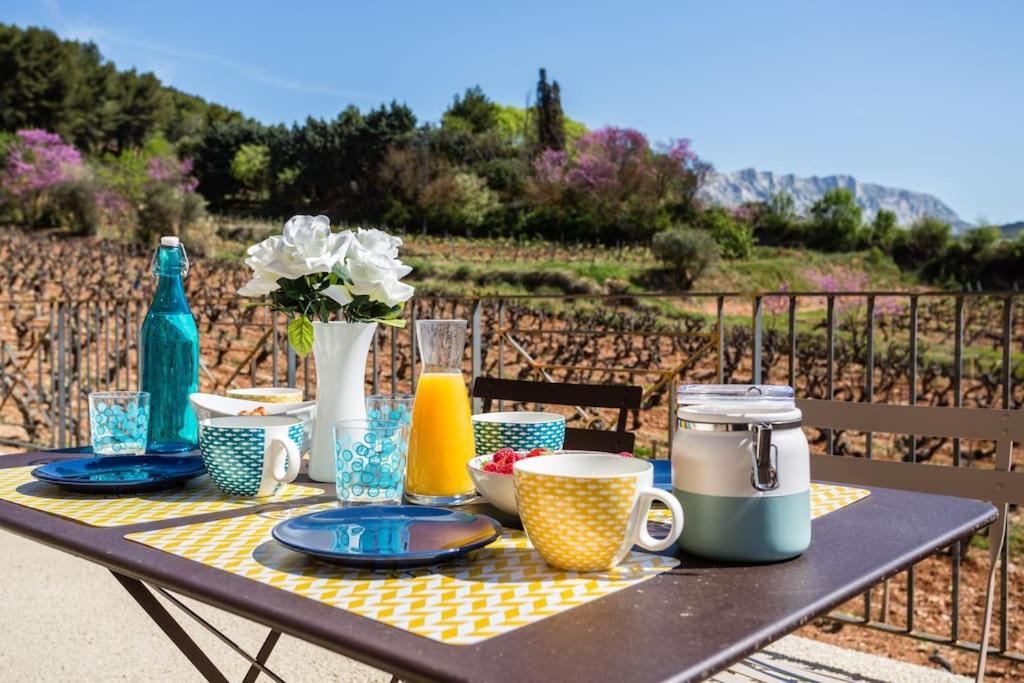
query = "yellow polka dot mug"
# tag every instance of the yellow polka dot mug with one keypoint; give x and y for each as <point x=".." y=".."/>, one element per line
<point x="584" y="512"/>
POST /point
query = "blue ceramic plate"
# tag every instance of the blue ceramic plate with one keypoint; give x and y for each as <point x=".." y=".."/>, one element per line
<point x="387" y="536"/>
<point x="121" y="473"/>
<point x="662" y="474"/>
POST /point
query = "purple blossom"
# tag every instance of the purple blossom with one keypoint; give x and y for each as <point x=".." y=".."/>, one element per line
<point x="609" y="156"/>
<point x="679" y="151"/>
<point x="170" y="170"/>
<point x="39" y="160"/>
<point x="550" y="166"/>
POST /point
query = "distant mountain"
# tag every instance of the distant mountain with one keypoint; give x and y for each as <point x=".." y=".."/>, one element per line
<point x="1012" y="229"/>
<point x="751" y="185"/>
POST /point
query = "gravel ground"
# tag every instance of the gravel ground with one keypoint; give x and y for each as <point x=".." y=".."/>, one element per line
<point x="64" y="619"/>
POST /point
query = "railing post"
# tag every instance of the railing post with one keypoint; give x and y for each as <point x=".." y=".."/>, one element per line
<point x="61" y="404"/>
<point x="757" y="342"/>
<point x="476" y="355"/>
<point x="830" y="358"/>
<point x="958" y="371"/>
<point x="291" y="361"/>
<point x="375" y="381"/>
<point x="720" y="351"/>
<point x="912" y="381"/>
<point x="1004" y="556"/>
<point x="501" y="346"/>
<point x="792" y="341"/>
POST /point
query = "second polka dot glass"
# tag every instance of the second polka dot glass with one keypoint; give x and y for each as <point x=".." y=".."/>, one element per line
<point x="370" y="458"/>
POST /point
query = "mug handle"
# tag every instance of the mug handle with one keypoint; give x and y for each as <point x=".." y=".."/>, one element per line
<point x="285" y="469"/>
<point x="643" y="537"/>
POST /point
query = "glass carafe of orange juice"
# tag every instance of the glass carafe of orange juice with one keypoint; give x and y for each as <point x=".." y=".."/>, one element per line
<point x="441" y="442"/>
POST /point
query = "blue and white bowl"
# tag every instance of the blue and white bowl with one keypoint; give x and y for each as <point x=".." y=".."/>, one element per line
<point x="518" y="430"/>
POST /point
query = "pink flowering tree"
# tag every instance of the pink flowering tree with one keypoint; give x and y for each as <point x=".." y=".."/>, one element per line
<point x="37" y="163"/>
<point x="613" y="179"/>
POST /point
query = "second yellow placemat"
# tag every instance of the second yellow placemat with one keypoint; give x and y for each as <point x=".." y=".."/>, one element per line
<point x="197" y="497"/>
<point x="495" y="590"/>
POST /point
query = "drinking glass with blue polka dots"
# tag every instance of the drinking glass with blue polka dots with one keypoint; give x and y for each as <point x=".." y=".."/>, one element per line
<point x="370" y="457"/>
<point x="119" y="422"/>
<point x="390" y="407"/>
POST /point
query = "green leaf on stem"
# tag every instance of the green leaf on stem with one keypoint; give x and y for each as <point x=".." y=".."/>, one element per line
<point x="300" y="335"/>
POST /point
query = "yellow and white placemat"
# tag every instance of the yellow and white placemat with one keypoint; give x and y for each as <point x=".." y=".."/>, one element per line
<point x="825" y="498"/>
<point x="492" y="591"/>
<point x="199" y="496"/>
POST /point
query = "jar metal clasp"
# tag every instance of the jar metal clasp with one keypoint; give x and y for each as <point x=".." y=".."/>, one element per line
<point x="764" y="475"/>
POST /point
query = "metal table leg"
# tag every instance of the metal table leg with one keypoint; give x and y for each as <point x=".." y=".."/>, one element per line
<point x="171" y="628"/>
<point x="184" y="642"/>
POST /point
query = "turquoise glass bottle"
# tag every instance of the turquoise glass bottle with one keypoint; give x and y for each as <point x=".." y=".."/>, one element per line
<point x="169" y="355"/>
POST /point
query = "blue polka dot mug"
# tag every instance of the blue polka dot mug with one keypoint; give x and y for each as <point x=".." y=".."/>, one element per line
<point x="251" y="455"/>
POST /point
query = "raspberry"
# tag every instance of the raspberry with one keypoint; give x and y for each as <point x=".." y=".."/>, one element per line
<point x="503" y="455"/>
<point x="626" y="454"/>
<point x="491" y="467"/>
<point x="538" y="451"/>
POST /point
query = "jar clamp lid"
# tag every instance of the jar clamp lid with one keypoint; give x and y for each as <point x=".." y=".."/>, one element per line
<point x="758" y="419"/>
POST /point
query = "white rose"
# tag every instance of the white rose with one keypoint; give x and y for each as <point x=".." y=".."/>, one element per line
<point x="378" y="241"/>
<point x="307" y="246"/>
<point x="377" y="276"/>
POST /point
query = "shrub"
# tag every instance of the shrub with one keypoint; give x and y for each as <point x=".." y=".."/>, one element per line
<point x="168" y="211"/>
<point x="688" y="253"/>
<point x="836" y="222"/>
<point x="735" y="237"/>
<point x="75" y="204"/>
<point x="925" y="241"/>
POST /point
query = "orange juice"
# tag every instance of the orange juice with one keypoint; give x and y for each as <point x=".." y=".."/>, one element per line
<point x="441" y="442"/>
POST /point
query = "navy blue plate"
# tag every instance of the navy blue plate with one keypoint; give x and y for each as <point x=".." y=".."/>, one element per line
<point x="662" y="474"/>
<point x="387" y="536"/>
<point x="121" y="473"/>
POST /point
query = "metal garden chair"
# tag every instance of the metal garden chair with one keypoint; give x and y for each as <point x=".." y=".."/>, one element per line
<point x="1001" y="486"/>
<point x="580" y="396"/>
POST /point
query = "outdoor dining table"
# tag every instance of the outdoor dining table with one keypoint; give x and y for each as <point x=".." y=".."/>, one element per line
<point x="681" y="625"/>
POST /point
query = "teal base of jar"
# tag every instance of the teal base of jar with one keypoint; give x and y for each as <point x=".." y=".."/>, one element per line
<point x="764" y="529"/>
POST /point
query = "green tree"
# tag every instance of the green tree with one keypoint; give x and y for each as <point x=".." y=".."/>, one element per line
<point x="251" y="168"/>
<point x="925" y="241"/>
<point x="882" y="231"/>
<point x="835" y="222"/>
<point x="734" y="237"/>
<point x="472" y="112"/>
<point x="459" y="202"/>
<point x="549" y="116"/>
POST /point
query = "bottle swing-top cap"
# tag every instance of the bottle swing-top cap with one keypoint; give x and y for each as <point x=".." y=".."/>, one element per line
<point x="169" y="242"/>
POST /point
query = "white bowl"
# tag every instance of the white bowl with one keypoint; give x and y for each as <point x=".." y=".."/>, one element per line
<point x="287" y="395"/>
<point x="498" y="489"/>
<point x="206" y="406"/>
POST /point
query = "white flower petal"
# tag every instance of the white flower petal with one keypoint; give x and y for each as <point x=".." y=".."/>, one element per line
<point x="258" y="286"/>
<point x="339" y="294"/>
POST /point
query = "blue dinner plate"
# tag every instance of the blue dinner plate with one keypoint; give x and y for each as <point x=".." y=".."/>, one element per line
<point x="387" y="536"/>
<point x="662" y="474"/>
<point x="121" y="473"/>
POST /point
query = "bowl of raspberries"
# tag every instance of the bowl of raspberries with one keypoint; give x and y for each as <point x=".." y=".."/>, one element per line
<point x="492" y="475"/>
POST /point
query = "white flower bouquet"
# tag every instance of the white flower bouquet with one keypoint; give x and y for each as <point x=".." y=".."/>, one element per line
<point x="311" y="273"/>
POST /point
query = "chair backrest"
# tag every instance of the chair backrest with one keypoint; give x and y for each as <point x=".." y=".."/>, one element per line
<point x="625" y="398"/>
<point x="1005" y="427"/>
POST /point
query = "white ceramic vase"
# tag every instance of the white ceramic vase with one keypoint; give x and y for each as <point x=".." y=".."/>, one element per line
<point x="339" y="350"/>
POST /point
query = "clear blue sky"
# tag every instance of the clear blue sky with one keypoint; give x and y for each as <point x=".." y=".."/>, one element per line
<point x="927" y="95"/>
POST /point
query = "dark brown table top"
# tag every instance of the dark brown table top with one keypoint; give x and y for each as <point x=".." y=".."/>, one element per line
<point x="682" y="625"/>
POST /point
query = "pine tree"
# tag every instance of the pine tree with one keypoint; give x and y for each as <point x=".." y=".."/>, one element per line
<point x="549" y="116"/>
